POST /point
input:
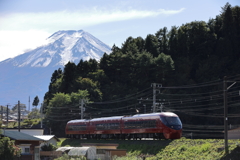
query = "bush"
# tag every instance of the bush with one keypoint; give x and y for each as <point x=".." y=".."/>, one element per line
<point x="48" y="147"/>
<point x="67" y="157"/>
<point x="8" y="151"/>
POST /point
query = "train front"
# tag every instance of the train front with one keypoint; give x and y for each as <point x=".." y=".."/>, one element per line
<point x="172" y="125"/>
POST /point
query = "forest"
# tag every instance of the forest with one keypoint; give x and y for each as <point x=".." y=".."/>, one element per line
<point x="187" y="63"/>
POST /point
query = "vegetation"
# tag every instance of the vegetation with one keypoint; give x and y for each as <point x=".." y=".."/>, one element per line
<point x="35" y="101"/>
<point x="63" y="107"/>
<point x="26" y="123"/>
<point x="67" y="157"/>
<point x="35" y="114"/>
<point x="15" y="107"/>
<point x="169" y="149"/>
<point x="8" y="150"/>
<point x="48" y="147"/>
<point x="195" y="53"/>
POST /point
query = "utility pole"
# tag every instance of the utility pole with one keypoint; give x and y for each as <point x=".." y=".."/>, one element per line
<point x="7" y="115"/>
<point x="29" y="104"/>
<point x="155" y="86"/>
<point x="41" y="113"/>
<point x="81" y="107"/>
<point x="19" y="116"/>
<point x="1" y="113"/>
<point x="154" y="97"/>
<point x="225" y="114"/>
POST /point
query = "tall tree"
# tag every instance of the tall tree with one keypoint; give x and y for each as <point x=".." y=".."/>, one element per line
<point x="162" y="36"/>
<point x="69" y="75"/>
<point x="35" y="101"/>
<point x="62" y="108"/>
<point x="152" y="45"/>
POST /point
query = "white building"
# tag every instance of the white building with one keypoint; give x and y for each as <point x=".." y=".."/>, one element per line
<point x="48" y="139"/>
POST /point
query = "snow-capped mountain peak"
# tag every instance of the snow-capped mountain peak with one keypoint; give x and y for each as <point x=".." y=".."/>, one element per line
<point x="62" y="47"/>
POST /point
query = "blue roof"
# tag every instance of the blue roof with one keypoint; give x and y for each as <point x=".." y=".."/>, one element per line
<point x="15" y="135"/>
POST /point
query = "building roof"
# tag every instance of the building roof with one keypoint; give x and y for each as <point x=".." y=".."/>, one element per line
<point x="46" y="137"/>
<point x="15" y="135"/>
<point x="63" y="149"/>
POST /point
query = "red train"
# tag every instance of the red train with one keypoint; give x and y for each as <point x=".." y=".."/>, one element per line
<point x="164" y="125"/>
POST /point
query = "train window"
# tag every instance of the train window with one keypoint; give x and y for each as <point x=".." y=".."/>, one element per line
<point x="99" y="127"/>
<point x="77" y="128"/>
<point x="107" y="126"/>
<point x="171" y="120"/>
<point x="140" y="124"/>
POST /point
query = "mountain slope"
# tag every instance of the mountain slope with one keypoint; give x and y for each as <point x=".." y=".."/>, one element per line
<point x="29" y="74"/>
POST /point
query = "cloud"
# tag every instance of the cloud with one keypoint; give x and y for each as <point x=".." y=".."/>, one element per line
<point x="82" y="18"/>
<point x="13" y="43"/>
<point x="22" y="31"/>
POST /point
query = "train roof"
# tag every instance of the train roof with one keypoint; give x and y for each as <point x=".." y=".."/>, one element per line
<point x="78" y="120"/>
<point x="156" y="114"/>
<point x="170" y="114"/>
<point x="106" y="118"/>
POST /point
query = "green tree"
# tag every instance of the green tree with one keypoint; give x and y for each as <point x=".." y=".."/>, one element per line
<point x="92" y="87"/>
<point x="151" y="45"/>
<point x="8" y="151"/>
<point x="54" y="86"/>
<point x="163" y="67"/>
<point x="62" y="108"/>
<point x="34" y="114"/>
<point x="22" y="107"/>
<point x="162" y="36"/>
<point x="68" y="78"/>
<point x="35" y="101"/>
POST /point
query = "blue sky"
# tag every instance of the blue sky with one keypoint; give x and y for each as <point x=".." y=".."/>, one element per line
<point x="25" y="24"/>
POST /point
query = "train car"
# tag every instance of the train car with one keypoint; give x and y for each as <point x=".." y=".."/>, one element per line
<point x="164" y="125"/>
<point x="77" y="129"/>
<point x="104" y="128"/>
<point x="171" y="125"/>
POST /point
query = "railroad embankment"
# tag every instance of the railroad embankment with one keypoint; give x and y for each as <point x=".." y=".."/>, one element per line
<point x="170" y="149"/>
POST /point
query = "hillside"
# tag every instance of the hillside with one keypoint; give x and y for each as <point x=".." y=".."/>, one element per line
<point x="207" y="149"/>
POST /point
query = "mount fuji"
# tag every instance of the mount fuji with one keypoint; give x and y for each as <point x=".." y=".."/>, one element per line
<point x="28" y="75"/>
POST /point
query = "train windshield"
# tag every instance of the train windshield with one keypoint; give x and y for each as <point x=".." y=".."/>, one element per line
<point x="171" y="121"/>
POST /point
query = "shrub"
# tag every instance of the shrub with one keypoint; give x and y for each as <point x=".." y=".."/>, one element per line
<point x="67" y="157"/>
<point x="8" y="151"/>
<point x="48" y="147"/>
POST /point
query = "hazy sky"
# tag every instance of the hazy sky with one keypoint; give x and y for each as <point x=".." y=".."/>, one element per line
<point x="25" y="24"/>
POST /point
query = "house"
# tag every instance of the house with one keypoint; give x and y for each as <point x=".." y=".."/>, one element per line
<point x="30" y="149"/>
<point x="48" y="139"/>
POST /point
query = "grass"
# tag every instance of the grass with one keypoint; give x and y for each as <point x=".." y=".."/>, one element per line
<point x="207" y="149"/>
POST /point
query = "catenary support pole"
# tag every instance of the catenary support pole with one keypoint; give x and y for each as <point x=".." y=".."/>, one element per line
<point x="225" y="115"/>
<point x="19" y="116"/>
<point x="81" y="108"/>
<point x="154" y="97"/>
<point x="7" y="116"/>
<point x="41" y="113"/>
<point x="1" y="113"/>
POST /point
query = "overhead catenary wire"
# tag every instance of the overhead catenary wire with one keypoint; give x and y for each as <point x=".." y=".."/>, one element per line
<point x="191" y="102"/>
